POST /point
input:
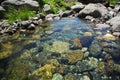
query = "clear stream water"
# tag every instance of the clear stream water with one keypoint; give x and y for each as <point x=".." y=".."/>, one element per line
<point x="27" y="52"/>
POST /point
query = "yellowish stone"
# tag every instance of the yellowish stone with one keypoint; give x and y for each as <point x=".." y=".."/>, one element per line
<point x="109" y="37"/>
<point x="87" y="34"/>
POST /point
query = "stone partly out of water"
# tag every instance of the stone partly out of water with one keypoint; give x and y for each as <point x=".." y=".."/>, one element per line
<point x="74" y="56"/>
<point x="102" y="26"/>
<point x="57" y="76"/>
<point x="115" y="22"/>
<point x="109" y="37"/>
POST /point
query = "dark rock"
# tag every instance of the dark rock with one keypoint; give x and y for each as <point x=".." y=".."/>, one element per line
<point x="55" y="54"/>
<point x="63" y="61"/>
<point x="77" y="7"/>
<point x="37" y="21"/>
<point x="31" y="3"/>
<point x="67" y="13"/>
<point x="25" y="24"/>
<point x="95" y="10"/>
<point x="40" y="16"/>
<point x="2" y="10"/>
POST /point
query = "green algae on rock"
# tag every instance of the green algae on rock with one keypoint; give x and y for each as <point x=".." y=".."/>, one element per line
<point x="58" y="46"/>
<point x="74" y="56"/>
<point x="45" y="72"/>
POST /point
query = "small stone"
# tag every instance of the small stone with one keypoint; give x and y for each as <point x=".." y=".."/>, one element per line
<point x="85" y="77"/>
<point x="57" y="76"/>
<point x="49" y="32"/>
<point x="84" y="49"/>
<point x="109" y="37"/>
<point x="77" y="42"/>
<point x="46" y="8"/>
<point x="37" y="36"/>
<point x="87" y="34"/>
<point x="86" y="54"/>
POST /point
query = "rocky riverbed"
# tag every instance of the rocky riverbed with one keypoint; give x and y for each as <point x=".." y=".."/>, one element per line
<point x="82" y="43"/>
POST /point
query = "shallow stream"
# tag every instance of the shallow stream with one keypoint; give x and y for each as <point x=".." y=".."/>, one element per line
<point x="67" y="49"/>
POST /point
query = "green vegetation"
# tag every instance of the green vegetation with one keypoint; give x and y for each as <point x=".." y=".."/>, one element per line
<point x="56" y="5"/>
<point x="113" y="2"/>
<point x="23" y="13"/>
<point x="18" y="14"/>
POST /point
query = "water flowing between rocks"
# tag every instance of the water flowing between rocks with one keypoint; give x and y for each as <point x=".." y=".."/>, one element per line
<point x="67" y="49"/>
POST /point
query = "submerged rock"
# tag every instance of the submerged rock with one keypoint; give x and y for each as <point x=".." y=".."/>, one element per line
<point x="57" y="76"/>
<point x="77" y="43"/>
<point x="109" y="37"/>
<point x="45" y="72"/>
<point x="95" y="48"/>
<point x="74" y="56"/>
<point x="60" y="47"/>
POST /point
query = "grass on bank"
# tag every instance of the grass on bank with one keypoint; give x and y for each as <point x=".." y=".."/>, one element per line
<point x="24" y="13"/>
<point x="18" y="14"/>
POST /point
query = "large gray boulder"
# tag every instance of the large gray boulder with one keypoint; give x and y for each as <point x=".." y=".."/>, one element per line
<point x="95" y="10"/>
<point x="30" y="3"/>
<point x="115" y="23"/>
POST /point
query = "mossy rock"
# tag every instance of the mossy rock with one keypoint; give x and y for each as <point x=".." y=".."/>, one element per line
<point x="17" y="70"/>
